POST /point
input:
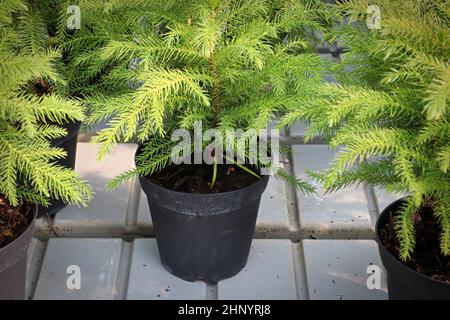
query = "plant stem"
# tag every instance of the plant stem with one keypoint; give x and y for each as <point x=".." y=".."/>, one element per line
<point x="214" y="178"/>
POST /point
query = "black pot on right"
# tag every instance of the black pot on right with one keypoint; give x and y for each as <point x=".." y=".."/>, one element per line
<point x="405" y="283"/>
<point x="69" y="144"/>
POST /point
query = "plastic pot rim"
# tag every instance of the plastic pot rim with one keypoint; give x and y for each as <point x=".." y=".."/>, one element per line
<point x="381" y="217"/>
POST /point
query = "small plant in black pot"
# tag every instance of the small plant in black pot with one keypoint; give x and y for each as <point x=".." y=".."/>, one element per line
<point x="29" y="174"/>
<point x="183" y="70"/>
<point x="390" y="114"/>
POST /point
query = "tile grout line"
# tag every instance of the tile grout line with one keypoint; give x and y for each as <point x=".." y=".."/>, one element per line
<point x="132" y="206"/>
<point x="44" y="231"/>
<point x="276" y="236"/>
<point x="34" y="272"/>
<point x="42" y="234"/>
<point x="212" y="291"/>
<point x="301" y="281"/>
<point x="291" y="197"/>
<point x="301" y="278"/>
<point x="372" y="204"/>
<point x="123" y="273"/>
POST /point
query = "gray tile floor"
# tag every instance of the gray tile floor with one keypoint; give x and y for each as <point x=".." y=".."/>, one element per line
<point x="305" y="247"/>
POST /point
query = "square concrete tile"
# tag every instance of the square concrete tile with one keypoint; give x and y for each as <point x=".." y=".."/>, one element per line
<point x="339" y="214"/>
<point x="338" y="269"/>
<point x="273" y="216"/>
<point x="297" y="133"/>
<point x="385" y="198"/>
<point x="144" y="224"/>
<point x="149" y="280"/>
<point x="96" y="260"/>
<point x="298" y="129"/>
<point x="106" y="214"/>
<point x="269" y="274"/>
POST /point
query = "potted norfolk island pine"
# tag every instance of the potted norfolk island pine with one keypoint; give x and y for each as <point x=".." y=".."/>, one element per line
<point x="46" y="22"/>
<point x="391" y="116"/>
<point x="29" y="174"/>
<point x="223" y="64"/>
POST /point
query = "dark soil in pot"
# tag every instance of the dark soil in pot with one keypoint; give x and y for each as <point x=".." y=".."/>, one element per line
<point x="16" y="228"/>
<point x="69" y="144"/>
<point x="203" y="234"/>
<point x="427" y="274"/>
<point x="196" y="178"/>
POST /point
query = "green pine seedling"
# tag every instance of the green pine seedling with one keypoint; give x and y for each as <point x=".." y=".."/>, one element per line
<point x="391" y="110"/>
<point x="31" y="107"/>
<point x="150" y="67"/>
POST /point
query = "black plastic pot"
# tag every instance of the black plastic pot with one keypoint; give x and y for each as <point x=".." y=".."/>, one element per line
<point x="204" y="236"/>
<point x="69" y="144"/>
<point x="13" y="265"/>
<point x="405" y="283"/>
